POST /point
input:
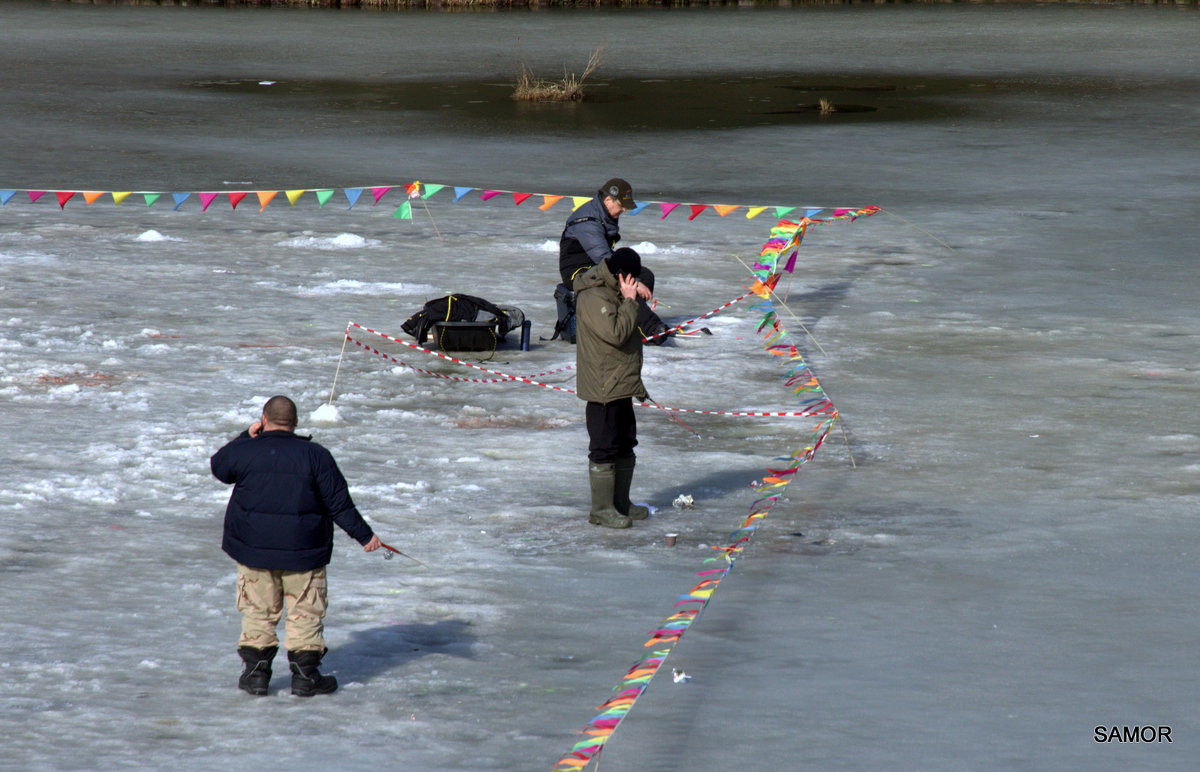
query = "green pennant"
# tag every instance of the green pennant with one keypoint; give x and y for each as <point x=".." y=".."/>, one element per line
<point x="431" y="189"/>
<point x="403" y="212"/>
<point x="323" y="196"/>
<point x="780" y="211"/>
<point x="150" y="198"/>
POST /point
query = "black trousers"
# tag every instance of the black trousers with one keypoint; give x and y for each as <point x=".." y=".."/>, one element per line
<point x="612" y="430"/>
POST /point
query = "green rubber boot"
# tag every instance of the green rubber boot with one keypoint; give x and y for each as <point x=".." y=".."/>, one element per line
<point x="602" y="478"/>
<point x="623" y="478"/>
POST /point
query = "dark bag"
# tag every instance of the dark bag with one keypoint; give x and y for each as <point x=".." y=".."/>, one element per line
<point x="463" y="308"/>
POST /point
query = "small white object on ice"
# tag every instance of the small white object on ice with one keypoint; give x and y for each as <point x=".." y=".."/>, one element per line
<point x="266" y="83"/>
<point x="325" y="414"/>
<point x="683" y="501"/>
<point x="680" y="676"/>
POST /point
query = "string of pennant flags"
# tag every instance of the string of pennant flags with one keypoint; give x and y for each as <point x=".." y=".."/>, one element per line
<point x="784" y="239"/>
<point x="412" y="191"/>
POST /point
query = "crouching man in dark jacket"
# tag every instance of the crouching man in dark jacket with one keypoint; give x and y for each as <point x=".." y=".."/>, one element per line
<point x="608" y="374"/>
<point x="287" y="494"/>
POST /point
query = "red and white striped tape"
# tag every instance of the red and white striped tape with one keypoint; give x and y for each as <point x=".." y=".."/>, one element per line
<point x="822" y="407"/>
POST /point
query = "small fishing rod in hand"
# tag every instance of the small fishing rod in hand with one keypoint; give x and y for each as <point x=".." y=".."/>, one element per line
<point x="390" y="549"/>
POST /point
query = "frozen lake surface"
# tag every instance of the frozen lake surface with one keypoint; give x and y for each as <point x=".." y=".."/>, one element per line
<point x="996" y="557"/>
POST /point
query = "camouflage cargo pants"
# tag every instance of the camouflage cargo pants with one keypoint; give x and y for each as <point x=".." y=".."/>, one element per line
<point x="261" y="595"/>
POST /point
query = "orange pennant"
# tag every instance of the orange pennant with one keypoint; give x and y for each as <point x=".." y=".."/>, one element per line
<point x="264" y="198"/>
<point x="549" y="202"/>
<point x="91" y="195"/>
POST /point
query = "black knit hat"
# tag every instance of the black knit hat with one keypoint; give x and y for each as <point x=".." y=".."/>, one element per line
<point x="625" y="261"/>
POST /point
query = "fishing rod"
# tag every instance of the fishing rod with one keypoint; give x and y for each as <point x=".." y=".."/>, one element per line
<point x="388" y="555"/>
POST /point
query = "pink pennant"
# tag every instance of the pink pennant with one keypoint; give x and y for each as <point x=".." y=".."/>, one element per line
<point x="520" y="197"/>
<point x="205" y="200"/>
<point x="63" y="197"/>
<point x="667" y="209"/>
<point x="485" y="195"/>
<point x="34" y="195"/>
<point x="379" y="193"/>
<point x="236" y="198"/>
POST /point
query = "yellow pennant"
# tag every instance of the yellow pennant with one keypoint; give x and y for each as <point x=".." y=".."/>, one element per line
<point x="119" y="197"/>
<point x="578" y="201"/>
<point x="755" y="211"/>
<point x="292" y="195"/>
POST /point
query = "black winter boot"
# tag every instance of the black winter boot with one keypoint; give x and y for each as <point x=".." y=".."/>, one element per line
<point x="623" y="479"/>
<point x="602" y="479"/>
<point x="257" y="673"/>
<point x="306" y="678"/>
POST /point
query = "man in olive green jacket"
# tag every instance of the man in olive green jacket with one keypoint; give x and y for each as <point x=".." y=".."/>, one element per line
<point x="608" y="357"/>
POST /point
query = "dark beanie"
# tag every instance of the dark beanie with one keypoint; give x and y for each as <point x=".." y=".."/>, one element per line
<point x="626" y="261"/>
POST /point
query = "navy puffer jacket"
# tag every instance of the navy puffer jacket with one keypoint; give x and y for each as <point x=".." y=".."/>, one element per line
<point x="287" y="494"/>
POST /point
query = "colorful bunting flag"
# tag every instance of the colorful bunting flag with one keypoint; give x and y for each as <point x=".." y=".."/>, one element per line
<point x="352" y="195"/>
<point x="696" y="210"/>
<point x="519" y="198"/>
<point x="5" y="195"/>
<point x="667" y="209"/>
<point x="404" y="212"/>
<point x="380" y="192"/>
<point x="120" y="197"/>
<point x="264" y="198"/>
<point x="323" y="197"/>
<point x="549" y="201"/>
<point x="179" y="199"/>
<point x="90" y="196"/>
<point x="431" y="189"/>
<point x="205" y="200"/>
<point x="235" y="197"/>
<point x="294" y="195"/>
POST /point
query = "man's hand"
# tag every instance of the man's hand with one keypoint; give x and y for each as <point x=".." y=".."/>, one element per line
<point x="629" y="286"/>
<point x="255" y="428"/>
<point x="644" y="292"/>
<point x="372" y="545"/>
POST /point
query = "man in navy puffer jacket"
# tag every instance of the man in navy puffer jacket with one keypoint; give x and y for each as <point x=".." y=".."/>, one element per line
<point x="288" y="492"/>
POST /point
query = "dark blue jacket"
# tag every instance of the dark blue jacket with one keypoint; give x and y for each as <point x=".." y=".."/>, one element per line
<point x="589" y="237"/>
<point x="287" y="494"/>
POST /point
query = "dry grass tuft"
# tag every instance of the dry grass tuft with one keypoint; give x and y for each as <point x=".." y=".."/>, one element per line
<point x="827" y="107"/>
<point x="569" y="88"/>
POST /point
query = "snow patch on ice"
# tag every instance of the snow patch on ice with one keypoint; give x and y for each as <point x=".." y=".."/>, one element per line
<point x="355" y="287"/>
<point x="325" y="414"/>
<point x="154" y="236"/>
<point x="309" y="240"/>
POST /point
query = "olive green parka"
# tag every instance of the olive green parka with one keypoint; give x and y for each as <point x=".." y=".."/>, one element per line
<point x="608" y="343"/>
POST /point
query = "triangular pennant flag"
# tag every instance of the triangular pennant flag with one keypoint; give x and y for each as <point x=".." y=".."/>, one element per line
<point x="578" y="201"/>
<point x="264" y="198"/>
<point x="485" y="195"/>
<point x="90" y="196"/>
<point x="120" y="197"/>
<point x="151" y="198"/>
<point x="205" y="200"/>
<point x="352" y="195"/>
<point x="549" y="201"/>
<point x="791" y="263"/>
<point x="236" y="197"/>
<point x="380" y="192"/>
<point x="431" y="189"/>
<point x="5" y="195"/>
<point x="403" y="212"/>
<point x="724" y="209"/>
<point x="780" y="211"/>
<point x="294" y="195"/>
<point x="696" y="210"/>
<point x="179" y="199"/>
<point x="323" y="197"/>
<point x="667" y="209"/>
<point x="460" y="192"/>
<point x="811" y="211"/>
<point x="521" y="197"/>
<point x="63" y="197"/>
<point x="755" y="211"/>
<point x="840" y="212"/>
<point x="34" y="195"/>
<point x="413" y="190"/>
<point x="637" y="209"/>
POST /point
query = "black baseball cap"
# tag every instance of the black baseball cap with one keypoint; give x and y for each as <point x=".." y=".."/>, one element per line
<point x="620" y="190"/>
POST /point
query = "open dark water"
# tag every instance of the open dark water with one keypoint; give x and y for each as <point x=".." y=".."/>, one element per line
<point x="1009" y="562"/>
